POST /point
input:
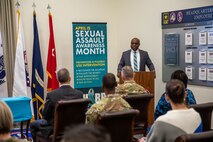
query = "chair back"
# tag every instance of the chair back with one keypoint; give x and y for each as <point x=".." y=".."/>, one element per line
<point x="67" y="113"/>
<point x="196" y="137"/>
<point x="119" y="124"/>
<point x="205" y="111"/>
<point x="140" y="102"/>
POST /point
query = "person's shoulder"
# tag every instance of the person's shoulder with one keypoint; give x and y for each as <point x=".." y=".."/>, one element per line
<point x="162" y="118"/>
<point x="137" y="85"/>
<point x="78" y="91"/>
<point x="51" y="94"/>
<point x="119" y="88"/>
<point x="189" y="92"/>
<point x="120" y="85"/>
<point x="117" y="100"/>
<point x="190" y="95"/>
<point x="163" y="96"/>
<point x="127" y="51"/>
<point x="194" y="113"/>
<point x="143" y="52"/>
<point x="55" y="91"/>
<point x="98" y="105"/>
<point x="114" y="98"/>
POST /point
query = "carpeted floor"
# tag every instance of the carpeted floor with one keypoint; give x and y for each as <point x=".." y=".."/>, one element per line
<point x="16" y="132"/>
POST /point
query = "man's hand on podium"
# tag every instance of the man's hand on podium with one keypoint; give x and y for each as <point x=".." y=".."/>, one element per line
<point x="154" y="73"/>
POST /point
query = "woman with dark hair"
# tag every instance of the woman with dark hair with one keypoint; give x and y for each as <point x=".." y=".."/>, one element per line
<point x="178" y="121"/>
<point x="163" y="105"/>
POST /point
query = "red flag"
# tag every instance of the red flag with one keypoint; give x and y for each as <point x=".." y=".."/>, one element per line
<point x="51" y="60"/>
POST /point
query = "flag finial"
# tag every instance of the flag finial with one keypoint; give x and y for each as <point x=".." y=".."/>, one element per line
<point x="48" y="7"/>
<point x="17" y="4"/>
<point x="34" y="6"/>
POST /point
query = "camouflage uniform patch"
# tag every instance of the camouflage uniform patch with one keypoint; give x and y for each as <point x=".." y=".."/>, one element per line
<point x="112" y="102"/>
<point x="130" y="87"/>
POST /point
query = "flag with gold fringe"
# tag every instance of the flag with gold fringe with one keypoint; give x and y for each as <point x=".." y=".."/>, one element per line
<point x="37" y="86"/>
<point x="51" y="60"/>
<point x="21" y="85"/>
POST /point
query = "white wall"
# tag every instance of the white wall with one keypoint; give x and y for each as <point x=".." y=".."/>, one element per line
<point x="143" y="19"/>
<point x="126" y="19"/>
<point x="64" y="13"/>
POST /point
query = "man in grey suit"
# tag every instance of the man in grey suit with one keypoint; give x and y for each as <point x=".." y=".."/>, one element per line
<point x="64" y="92"/>
<point x="135" y="58"/>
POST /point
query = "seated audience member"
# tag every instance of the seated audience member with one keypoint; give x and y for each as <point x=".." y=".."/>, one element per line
<point x="112" y="102"/>
<point x="86" y="133"/>
<point x="180" y="120"/>
<point x="64" y="92"/>
<point x="129" y="85"/>
<point x="163" y="106"/>
<point x="6" y="124"/>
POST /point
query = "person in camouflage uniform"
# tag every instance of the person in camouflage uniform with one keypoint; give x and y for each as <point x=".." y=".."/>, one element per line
<point x="129" y="85"/>
<point x="111" y="103"/>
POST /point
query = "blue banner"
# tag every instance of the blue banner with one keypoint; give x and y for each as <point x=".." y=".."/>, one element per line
<point x="188" y="16"/>
<point x="90" y="55"/>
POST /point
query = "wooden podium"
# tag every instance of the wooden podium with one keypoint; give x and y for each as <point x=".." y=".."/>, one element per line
<point x="146" y="79"/>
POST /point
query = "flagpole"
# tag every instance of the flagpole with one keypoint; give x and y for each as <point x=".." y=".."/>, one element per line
<point x="37" y="86"/>
<point x="17" y="4"/>
<point x="52" y="82"/>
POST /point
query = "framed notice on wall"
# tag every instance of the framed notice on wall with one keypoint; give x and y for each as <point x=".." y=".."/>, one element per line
<point x="202" y="38"/>
<point x="195" y="55"/>
<point x="171" y="49"/>
<point x="188" y="39"/>
<point x="210" y="37"/>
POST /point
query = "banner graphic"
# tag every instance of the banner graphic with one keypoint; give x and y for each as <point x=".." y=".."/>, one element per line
<point x="90" y="56"/>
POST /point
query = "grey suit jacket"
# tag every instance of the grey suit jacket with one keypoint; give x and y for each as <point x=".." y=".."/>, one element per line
<point x="144" y="60"/>
<point x="65" y="92"/>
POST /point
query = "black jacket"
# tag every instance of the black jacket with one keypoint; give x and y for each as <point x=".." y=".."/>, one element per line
<point x="65" y="92"/>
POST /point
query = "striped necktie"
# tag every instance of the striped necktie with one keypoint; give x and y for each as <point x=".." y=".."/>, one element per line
<point x="135" y="62"/>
